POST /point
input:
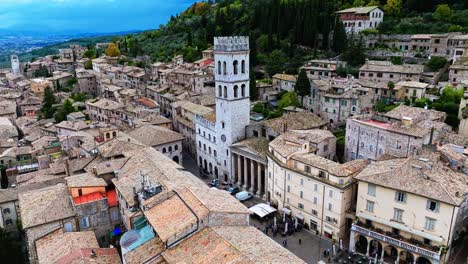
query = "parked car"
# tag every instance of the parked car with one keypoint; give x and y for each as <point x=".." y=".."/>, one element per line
<point x="233" y="190"/>
<point x="214" y="183"/>
<point x="243" y="196"/>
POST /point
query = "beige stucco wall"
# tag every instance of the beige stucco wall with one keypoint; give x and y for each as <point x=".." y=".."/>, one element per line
<point x="414" y="215"/>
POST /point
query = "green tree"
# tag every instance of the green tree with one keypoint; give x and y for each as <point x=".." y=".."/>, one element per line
<point x="354" y="54"/>
<point x="48" y="102"/>
<point x="276" y="62"/>
<point x="374" y="3"/>
<point x="397" y="60"/>
<point x="442" y="13"/>
<point x="189" y="39"/>
<point x="10" y="249"/>
<point x="88" y="65"/>
<point x="113" y="51"/>
<point x="253" y="86"/>
<point x="90" y="54"/>
<point x="302" y="86"/>
<point x="436" y="63"/>
<point x="393" y="8"/>
<point x="455" y="28"/>
<point x="339" y="37"/>
<point x="358" y="3"/>
<point x="288" y="99"/>
<point x="66" y="109"/>
<point x="79" y="97"/>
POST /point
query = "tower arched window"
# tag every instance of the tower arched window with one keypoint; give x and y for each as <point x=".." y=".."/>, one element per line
<point x="243" y="90"/>
<point x="236" y="91"/>
<point x="220" y="90"/>
<point x="235" y="65"/>
<point x="225" y="92"/>
<point x="224" y="68"/>
<point x="219" y="67"/>
<point x="243" y="66"/>
<point x="164" y="150"/>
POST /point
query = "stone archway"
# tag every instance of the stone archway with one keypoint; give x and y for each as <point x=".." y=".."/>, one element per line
<point x="375" y="249"/>
<point x="423" y="260"/>
<point x="361" y="244"/>
<point x="390" y="254"/>
<point x="406" y="257"/>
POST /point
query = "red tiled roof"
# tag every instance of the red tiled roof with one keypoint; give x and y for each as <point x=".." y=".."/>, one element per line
<point x="206" y="62"/>
<point x="102" y="255"/>
<point x="112" y="198"/>
<point x="88" y="198"/>
<point x="147" y="102"/>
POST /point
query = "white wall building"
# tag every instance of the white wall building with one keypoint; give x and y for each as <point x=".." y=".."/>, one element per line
<point x="231" y="56"/>
<point x="357" y="19"/>
<point x="15" y="65"/>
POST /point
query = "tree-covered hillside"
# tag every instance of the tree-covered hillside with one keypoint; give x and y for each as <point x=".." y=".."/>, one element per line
<point x="286" y="32"/>
<point x="294" y="29"/>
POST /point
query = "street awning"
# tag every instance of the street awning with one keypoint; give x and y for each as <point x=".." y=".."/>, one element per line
<point x="262" y="209"/>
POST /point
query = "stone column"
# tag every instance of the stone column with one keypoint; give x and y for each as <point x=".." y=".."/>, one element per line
<point x="246" y="178"/>
<point x="352" y="237"/>
<point x="368" y="248"/>
<point x="232" y="178"/>
<point x="239" y="170"/>
<point x="398" y="257"/>
<point x="382" y="255"/>
<point x="252" y="176"/>
<point x="259" y="179"/>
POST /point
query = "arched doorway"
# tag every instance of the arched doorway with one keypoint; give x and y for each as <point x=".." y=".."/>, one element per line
<point x="390" y="254"/>
<point x="375" y="249"/>
<point x="205" y="165"/>
<point x="423" y="260"/>
<point x="361" y="244"/>
<point x="176" y="159"/>
<point x="406" y="257"/>
<point x="216" y="172"/>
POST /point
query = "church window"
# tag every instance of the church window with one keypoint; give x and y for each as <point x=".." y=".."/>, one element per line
<point x="236" y="91"/>
<point x="224" y="68"/>
<point x="225" y="92"/>
<point x="235" y="65"/>
<point x="219" y="67"/>
<point x="243" y="90"/>
<point x="243" y="66"/>
<point x="220" y="91"/>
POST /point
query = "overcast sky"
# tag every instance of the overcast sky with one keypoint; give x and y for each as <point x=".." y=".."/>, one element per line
<point x="87" y="16"/>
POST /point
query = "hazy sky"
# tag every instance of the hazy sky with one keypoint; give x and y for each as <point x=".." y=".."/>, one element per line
<point x="81" y="16"/>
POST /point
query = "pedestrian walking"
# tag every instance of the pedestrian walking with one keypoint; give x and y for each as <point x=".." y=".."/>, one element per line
<point x="286" y="243"/>
<point x="300" y="241"/>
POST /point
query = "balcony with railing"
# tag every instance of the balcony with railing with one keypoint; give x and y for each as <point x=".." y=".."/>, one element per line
<point x="432" y="252"/>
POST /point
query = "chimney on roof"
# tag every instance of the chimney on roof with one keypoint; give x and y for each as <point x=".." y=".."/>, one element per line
<point x="406" y="121"/>
<point x="67" y="168"/>
<point x="284" y="127"/>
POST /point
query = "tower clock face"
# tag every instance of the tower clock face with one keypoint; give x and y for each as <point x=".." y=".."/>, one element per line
<point x="223" y="138"/>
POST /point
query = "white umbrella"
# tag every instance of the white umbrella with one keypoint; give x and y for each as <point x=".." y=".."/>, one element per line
<point x="286" y="228"/>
